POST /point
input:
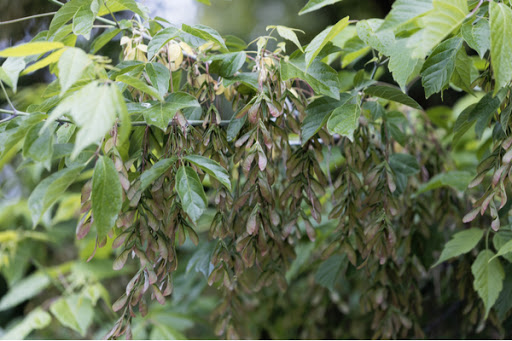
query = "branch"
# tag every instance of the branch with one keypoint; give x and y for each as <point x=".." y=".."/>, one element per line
<point x="27" y="18"/>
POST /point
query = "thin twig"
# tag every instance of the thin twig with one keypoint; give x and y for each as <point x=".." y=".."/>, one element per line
<point x="27" y="18"/>
<point x="14" y="111"/>
<point x="112" y="14"/>
<point x="475" y="9"/>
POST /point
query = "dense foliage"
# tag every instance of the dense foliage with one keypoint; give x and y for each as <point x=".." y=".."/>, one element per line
<point x="255" y="193"/>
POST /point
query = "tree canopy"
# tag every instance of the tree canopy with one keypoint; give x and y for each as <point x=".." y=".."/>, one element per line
<point x="214" y="187"/>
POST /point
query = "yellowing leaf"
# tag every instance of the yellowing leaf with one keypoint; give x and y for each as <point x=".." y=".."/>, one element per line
<point x="31" y="49"/>
<point x="52" y="58"/>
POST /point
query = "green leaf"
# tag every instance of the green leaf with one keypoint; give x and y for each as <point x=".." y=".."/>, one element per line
<point x="36" y="319"/>
<point x="234" y="43"/>
<point x="94" y="109"/>
<point x="104" y="38"/>
<point x="27" y="288"/>
<point x="403" y="11"/>
<point x="234" y="127"/>
<point x="211" y="167"/>
<point x="140" y="85"/>
<point x="478" y="35"/>
<point x="200" y="260"/>
<point x="160" y="39"/>
<point x="206" y="2"/>
<point x="160" y="114"/>
<point x="439" y="67"/>
<point x="227" y="64"/>
<point x="504" y="301"/>
<point x="72" y="65"/>
<point x="504" y="249"/>
<point x="483" y="111"/>
<point x="156" y="171"/>
<point x="10" y="139"/>
<point x="123" y="5"/>
<point x="106" y="195"/>
<point x="319" y="42"/>
<point x="330" y="270"/>
<point x="50" y="190"/>
<point x="30" y="49"/>
<point x="380" y="40"/>
<point x="318" y="112"/>
<point x="320" y="76"/>
<point x="488" y="278"/>
<point x="64" y="14"/>
<point x="191" y="192"/>
<point x="404" y="164"/>
<point x="501" y="50"/>
<point x="401" y="63"/>
<point x="458" y="180"/>
<point x="37" y="146"/>
<point x="10" y="71"/>
<point x="500" y="240"/>
<point x="288" y="34"/>
<point x="438" y="23"/>
<point x="465" y="71"/>
<point x="344" y="120"/>
<point x="314" y="5"/>
<point x="160" y="77"/>
<point x="461" y="242"/>
<point x="393" y="94"/>
<point x="206" y="33"/>
<point x="74" y="312"/>
<point x="84" y="18"/>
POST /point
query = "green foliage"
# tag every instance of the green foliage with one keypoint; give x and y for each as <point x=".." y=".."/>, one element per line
<point x="298" y="185"/>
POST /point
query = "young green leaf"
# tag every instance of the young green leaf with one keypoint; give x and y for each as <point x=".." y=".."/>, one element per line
<point x="403" y="11"/>
<point x="84" y="18"/>
<point x="288" y="34"/>
<point x="65" y="14"/>
<point x="439" y="67"/>
<point x="37" y="146"/>
<point x="106" y="195"/>
<point x="438" y="23"/>
<point x="314" y="5"/>
<point x="501" y="50"/>
<point x="30" y="49"/>
<point x="206" y="33"/>
<point x="28" y="287"/>
<point x="393" y="94"/>
<point x="402" y="64"/>
<point x="319" y="42"/>
<point x="158" y="169"/>
<point x="344" y="120"/>
<point x="160" y="39"/>
<point x="461" y="242"/>
<point x="10" y="71"/>
<point x="112" y="6"/>
<point x="50" y="190"/>
<point x="191" y="192"/>
<point x="211" y="167"/>
<point x="140" y="85"/>
<point x="94" y="109"/>
<point x="72" y="64"/>
<point x="488" y="278"/>
<point x="104" y="38"/>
